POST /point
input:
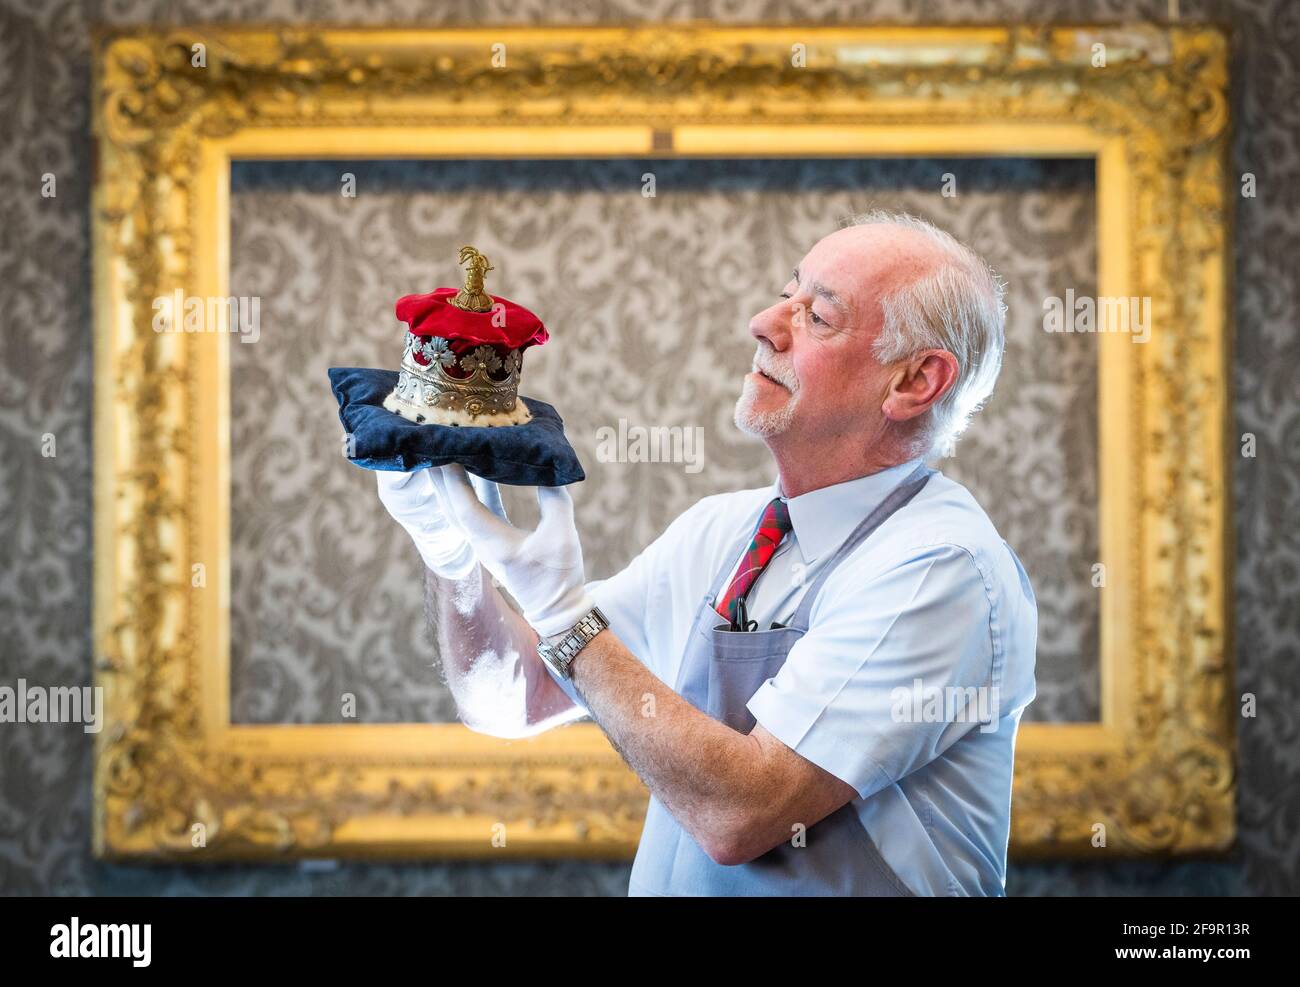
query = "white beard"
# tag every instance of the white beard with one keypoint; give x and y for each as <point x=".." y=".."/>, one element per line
<point x="761" y="423"/>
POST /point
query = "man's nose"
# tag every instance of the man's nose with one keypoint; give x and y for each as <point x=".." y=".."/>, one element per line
<point x="773" y="325"/>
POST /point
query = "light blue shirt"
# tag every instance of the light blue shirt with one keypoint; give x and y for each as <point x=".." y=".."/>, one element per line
<point x="911" y="680"/>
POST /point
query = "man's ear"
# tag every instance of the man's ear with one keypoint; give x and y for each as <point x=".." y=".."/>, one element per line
<point x="918" y="383"/>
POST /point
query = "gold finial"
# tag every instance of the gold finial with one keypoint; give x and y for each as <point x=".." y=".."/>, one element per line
<point x="472" y="297"/>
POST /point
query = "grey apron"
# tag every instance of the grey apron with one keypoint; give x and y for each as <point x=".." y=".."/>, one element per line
<point x="720" y="671"/>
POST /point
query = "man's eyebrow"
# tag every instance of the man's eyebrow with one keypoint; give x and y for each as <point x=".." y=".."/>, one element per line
<point x="822" y="291"/>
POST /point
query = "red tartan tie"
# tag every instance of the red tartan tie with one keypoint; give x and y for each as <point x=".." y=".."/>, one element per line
<point x="772" y="527"/>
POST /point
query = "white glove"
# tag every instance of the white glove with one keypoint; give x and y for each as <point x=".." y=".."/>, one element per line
<point x="541" y="569"/>
<point x="418" y="503"/>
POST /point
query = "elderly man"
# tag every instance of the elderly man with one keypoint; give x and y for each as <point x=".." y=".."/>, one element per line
<point x="820" y="681"/>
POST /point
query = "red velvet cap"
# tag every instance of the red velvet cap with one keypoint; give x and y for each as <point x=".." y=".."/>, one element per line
<point x="506" y="324"/>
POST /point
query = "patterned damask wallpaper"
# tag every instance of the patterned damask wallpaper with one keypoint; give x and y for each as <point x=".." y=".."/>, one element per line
<point x="301" y="528"/>
<point x="648" y="301"/>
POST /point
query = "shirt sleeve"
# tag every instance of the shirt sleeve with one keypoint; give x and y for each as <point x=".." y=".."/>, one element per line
<point x="856" y="695"/>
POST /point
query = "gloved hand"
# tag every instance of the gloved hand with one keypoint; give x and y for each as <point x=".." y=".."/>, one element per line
<point x="418" y="503"/>
<point x="542" y="569"/>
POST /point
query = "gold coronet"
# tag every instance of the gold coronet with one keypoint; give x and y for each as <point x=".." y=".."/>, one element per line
<point x="428" y="394"/>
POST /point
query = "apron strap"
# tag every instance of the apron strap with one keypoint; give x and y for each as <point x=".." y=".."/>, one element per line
<point x="897" y="498"/>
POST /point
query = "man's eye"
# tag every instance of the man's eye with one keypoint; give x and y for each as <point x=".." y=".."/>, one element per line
<point x="817" y="318"/>
<point x="785" y="294"/>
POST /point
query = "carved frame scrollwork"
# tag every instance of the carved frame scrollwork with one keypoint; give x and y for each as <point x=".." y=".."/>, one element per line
<point x="1156" y="771"/>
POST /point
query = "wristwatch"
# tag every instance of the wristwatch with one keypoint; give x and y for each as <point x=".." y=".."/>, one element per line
<point x="561" y="654"/>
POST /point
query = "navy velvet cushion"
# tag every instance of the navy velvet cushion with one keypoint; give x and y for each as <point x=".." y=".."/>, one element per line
<point x="535" y="454"/>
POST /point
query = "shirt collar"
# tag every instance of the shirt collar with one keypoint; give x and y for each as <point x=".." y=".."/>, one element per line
<point x="823" y="518"/>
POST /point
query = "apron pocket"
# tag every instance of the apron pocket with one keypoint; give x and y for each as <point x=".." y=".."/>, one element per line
<point x="741" y="662"/>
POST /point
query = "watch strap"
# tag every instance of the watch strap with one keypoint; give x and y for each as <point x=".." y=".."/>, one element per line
<point x="561" y="654"/>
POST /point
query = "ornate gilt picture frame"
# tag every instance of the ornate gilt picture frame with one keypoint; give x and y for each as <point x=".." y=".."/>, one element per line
<point x="1157" y="770"/>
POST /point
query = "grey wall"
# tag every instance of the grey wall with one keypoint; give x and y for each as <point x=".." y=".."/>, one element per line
<point x="45" y="386"/>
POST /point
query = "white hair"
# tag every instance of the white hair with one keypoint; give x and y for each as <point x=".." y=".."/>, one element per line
<point x="959" y="308"/>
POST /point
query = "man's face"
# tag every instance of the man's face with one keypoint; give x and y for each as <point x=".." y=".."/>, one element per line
<point x="817" y="378"/>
